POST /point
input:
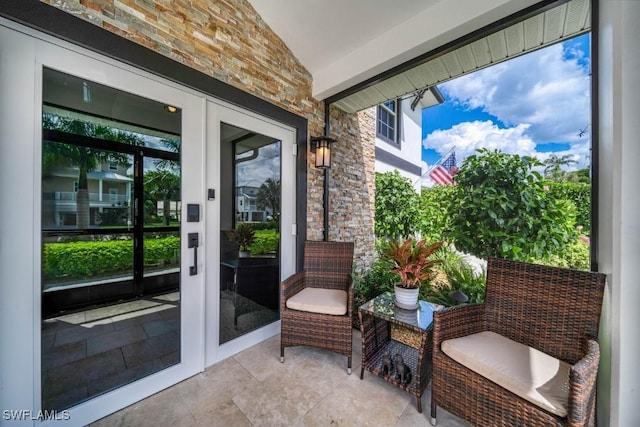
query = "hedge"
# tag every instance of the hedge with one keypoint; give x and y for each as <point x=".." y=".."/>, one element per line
<point x="78" y="260"/>
<point x="75" y="260"/>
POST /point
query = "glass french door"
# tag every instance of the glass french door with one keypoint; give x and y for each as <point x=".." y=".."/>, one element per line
<point x="250" y="165"/>
<point x="121" y="313"/>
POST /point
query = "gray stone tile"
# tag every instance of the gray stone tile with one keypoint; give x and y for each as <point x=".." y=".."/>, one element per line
<point x="53" y="357"/>
<point x="127" y="320"/>
<point x="109" y="382"/>
<point x="85" y="370"/>
<point x="65" y="399"/>
<point x="114" y="339"/>
<point x="151" y="348"/>
<point x="158" y="327"/>
<point x="81" y="332"/>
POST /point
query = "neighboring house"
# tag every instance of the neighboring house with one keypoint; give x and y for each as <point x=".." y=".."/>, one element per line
<point x="399" y="134"/>
<point x="247" y="203"/>
<point x="109" y="188"/>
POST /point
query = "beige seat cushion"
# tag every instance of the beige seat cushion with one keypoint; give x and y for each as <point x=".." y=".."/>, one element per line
<point x="525" y="371"/>
<point x="320" y="300"/>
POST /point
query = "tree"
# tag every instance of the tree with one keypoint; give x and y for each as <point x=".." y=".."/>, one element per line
<point x="162" y="185"/>
<point x="435" y="207"/>
<point x="269" y="196"/>
<point x="85" y="158"/>
<point x="396" y="206"/>
<point x="502" y="209"/>
<point x="553" y="166"/>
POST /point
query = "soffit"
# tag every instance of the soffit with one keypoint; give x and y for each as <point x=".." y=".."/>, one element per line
<point x="320" y="32"/>
<point x="552" y="26"/>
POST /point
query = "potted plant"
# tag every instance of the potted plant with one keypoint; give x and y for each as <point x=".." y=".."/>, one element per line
<point x="244" y="236"/>
<point x="411" y="260"/>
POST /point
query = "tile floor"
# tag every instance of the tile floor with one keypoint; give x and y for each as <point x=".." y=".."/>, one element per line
<point x="89" y="352"/>
<point x="252" y="388"/>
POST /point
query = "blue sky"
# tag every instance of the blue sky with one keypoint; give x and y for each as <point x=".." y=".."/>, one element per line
<point x="536" y="104"/>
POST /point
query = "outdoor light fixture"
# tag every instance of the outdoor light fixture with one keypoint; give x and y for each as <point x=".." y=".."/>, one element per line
<point x="321" y="145"/>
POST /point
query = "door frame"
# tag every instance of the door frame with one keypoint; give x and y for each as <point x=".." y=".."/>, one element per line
<point x="218" y="113"/>
<point x="41" y="51"/>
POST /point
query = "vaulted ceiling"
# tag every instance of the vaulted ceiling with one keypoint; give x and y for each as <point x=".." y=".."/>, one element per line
<point x="390" y="45"/>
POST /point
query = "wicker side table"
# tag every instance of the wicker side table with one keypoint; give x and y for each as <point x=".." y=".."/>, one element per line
<point x="387" y="328"/>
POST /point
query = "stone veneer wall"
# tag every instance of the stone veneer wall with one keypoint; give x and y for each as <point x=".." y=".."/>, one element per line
<point x="228" y="40"/>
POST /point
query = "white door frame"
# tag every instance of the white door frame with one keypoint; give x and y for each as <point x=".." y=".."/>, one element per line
<point x="23" y="122"/>
<point x="218" y="113"/>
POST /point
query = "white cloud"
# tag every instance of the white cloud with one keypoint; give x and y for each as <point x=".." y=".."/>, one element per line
<point x="467" y="137"/>
<point x="544" y="89"/>
<point x="540" y="97"/>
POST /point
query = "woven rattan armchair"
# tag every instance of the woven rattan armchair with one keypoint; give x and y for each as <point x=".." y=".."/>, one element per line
<point x="327" y="265"/>
<point x="553" y="310"/>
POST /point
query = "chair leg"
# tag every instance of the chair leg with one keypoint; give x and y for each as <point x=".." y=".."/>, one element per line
<point x="349" y="365"/>
<point x="419" y="404"/>
<point x="281" y="353"/>
<point x="434" y="421"/>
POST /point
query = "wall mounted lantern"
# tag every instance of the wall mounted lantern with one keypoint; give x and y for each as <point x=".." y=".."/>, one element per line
<point x="321" y="145"/>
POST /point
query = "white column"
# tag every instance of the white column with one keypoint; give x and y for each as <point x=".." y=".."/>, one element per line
<point x="618" y="209"/>
<point x="19" y="233"/>
<point x="100" y="189"/>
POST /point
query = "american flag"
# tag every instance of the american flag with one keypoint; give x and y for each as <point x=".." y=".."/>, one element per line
<point x="443" y="173"/>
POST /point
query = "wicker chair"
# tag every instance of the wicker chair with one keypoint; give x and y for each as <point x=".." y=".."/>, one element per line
<point x="327" y="265"/>
<point x="553" y="310"/>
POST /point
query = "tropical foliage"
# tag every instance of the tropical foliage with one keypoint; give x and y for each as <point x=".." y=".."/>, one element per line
<point x="412" y="261"/>
<point x="161" y="186"/>
<point x="554" y="164"/>
<point x="269" y="196"/>
<point x="243" y="235"/>
<point x="396" y="206"/>
<point x="502" y="209"/>
<point x="435" y="211"/>
<point x="84" y="158"/>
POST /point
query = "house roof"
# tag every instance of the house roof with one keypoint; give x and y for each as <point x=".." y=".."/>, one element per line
<point x="364" y="52"/>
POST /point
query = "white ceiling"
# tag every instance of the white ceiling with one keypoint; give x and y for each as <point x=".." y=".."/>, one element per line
<point x="344" y="42"/>
<point x="320" y="32"/>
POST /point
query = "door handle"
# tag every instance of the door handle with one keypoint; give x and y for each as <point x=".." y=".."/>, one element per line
<point x="193" y="243"/>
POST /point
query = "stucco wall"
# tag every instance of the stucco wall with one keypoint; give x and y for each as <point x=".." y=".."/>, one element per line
<point x="230" y="42"/>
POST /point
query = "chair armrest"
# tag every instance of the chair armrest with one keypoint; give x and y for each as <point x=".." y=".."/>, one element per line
<point x="582" y="383"/>
<point x="292" y="285"/>
<point x="458" y="321"/>
<point x="350" y="297"/>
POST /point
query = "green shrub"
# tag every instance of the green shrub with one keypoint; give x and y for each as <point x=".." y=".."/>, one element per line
<point x="266" y="241"/>
<point x="79" y="260"/>
<point x="460" y="276"/>
<point x="396" y="206"/>
<point x="579" y="194"/>
<point x="435" y="216"/>
<point x="502" y="209"/>
<point x="370" y="283"/>
<point x="575" y="256"/>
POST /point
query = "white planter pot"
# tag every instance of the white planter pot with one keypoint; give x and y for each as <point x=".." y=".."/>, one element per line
<point x="244" y="254"/>
<point x="406" y="298"/>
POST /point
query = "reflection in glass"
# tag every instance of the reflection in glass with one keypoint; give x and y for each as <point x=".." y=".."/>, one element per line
<point x="249" y="276"/>
<point x="111" y="239"/>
